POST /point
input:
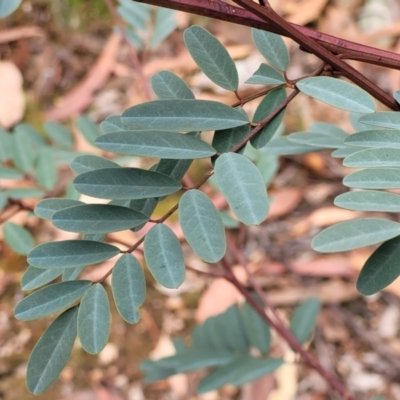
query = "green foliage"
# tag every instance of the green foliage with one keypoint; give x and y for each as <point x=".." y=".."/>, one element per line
<point x="18" y="238"/>
<point x="303" y="319"/>
<point x="7" y="7"/>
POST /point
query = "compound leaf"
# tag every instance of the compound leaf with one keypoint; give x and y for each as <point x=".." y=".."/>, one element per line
<point x="303" y="319"/>
<point x="266" y="75"/>
<point x="59" y="134"/>
<point x="87" y="163"/>
<point x="47" y="207"/>
<point x="243" y="187"/>
<point x="50" y="299"/>
<point x="166" y="85"/>
<point x="183" y="116"/>
<point x="386" y="119"/>
<point x="369" y="200"/>
<point x="160" y="144"/>
<point x="34" y="277"/>
<point x="94" y="319"/>
<point x="202" y="226"/>
<point x="381" y="268"/>
<point x="97" y="218"/>
<point x="212" y="57"/>
<point x="164" y="256"/>
<point x="18" y="238"/>
<point x="375" y="138"/>
<point x="272" y="47"/>
<point x="128" y="287"/>
<point x="353" y="234"/>
<point x="52" y="352"/>
<point x="70" y="254"/>
<point x="337" y="93"/>
<point x="374" y="178"/>
<point x="125" y="183"/>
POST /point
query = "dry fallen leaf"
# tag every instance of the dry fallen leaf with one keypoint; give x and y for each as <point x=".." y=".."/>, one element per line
<point x="12" y="99"/>
<point x="284" y="201"/>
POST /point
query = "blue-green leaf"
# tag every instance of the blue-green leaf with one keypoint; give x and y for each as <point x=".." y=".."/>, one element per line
<point x="134" y="13"/>
<point x="47" y="207"/>
<point x="50" y="299"/>
<point x="328" y="130"/>
<point x="257" y="330"/>
<point x="59" y="134"/>
<point x="176" y="169"/>
<point x="375" y="138"/>
<point x="370" y="158"/>
<point x="94" y="319"/>
<point x="7" y="7"/>
<point x="35" y="137"/>
<point x="316" y="139"/>
<point x="24" y="193"/>
<point x="165" y="22"/>
<point x="46" y="172"/>
<point x="70" y="274"/>
<point x="235" y="334"/>
<point x="353" y="234"/>
<point x="224" y="140"/>
<point x="345" y="151"/>
<point x="125" y="183"/>
<point x="386" y="119"/>
<point x="212" y="57"/>
<point x="51" y="352"/>
<point x="369" y="200"/>
<point x="70" y="254"/>
<point x="381" y="268"/>
<point x="164" y="256"/>
<point x="158" y="144"/>
<point x="228" y="221"/>
<point x="337" y="93"/>
<point x="268" y="165"/>
<point x="18" y="238"/>
<point x="166" y="85"/>
<point x="303" y="319"/>
<point x="6" y="145"/>
<point x="112" y="123"/>
<point x="23" y="154"/>
<point x="272" y="47"/>
<point x="374" y="178"/>
<point x="202" y="226"/>
<point x="243" y="187"/>
<point x="183" y="116"/>
<point x="87" y="163"/>
<point x="10" y="173"/>
<point x="144" y="206"/>
<point x="266" y="75"/>
<point x="283" y="146"/>
<point x="128" y="287"/>
<point x="34" y="277"/>
<point x="97" y="218"/>
<point x="88" y="128"/>
<point x="267" y="105"/>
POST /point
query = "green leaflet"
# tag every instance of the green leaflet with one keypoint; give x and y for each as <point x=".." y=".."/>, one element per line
<point x="316" y="139"/>
<point x="18" y="238"/>
<point x="283" y="146"/>
<point x="10" y="173"/>
<point x="165" y="22"/>
<point x="34" y="277"/>
<point x="337" y="93"/>
<point x="50" y="299"/>
<point x="368" y="158"/>
<point x="47" y="207"/>
<point x="235" y="330"/>
<point x="46" y="172"/>
<point x="225" y="139"/>
<point x="112" y="123"/>
<point x="202" y="226"/>
<point x="125" y="183"/>
<point x="70" y="254"/>
<point x="23" y="154"/>
<point x="369" y="200"/>
<point x="87" y="163"/>
<point x="212" y="57"/>
<point x="7" y="7"/>
<point x="257" y="330"/>
<point x="303" y="319"/>
<point x="353" y="234"/>
<point x="24" y="193"/>
<point x="167" y="85"/>
<point x="70" y="274"/>
<point x="164" y="257"/>
<point x="345" y="151"/>
<point x="94" y="319"/>
<point x="381" y="268"/>
<point x="268" y="165"/>
<point x="267" y="105"/>
<point x="328" y="130"/>
<point x="97" y="218"/>
<point x="386" y="119"/>
<point x="272" y="47"/>
<point x="128" y="287"/>
<point x="134" y="14"/>
<point x="374" y="178"/>
<point x="241" y="370"/>
<point x="266" y="75"/>
<point x="183" y="116"/>
<point x="160" y="144"/>
<point x="88" y="128"/>
<point x="375" y="138"/>
<point x="228" y="221"/>
<point x="6" y="145"/>
<point x="144" y="206"/>
<point x="176" y="169"/>
<point x="35" y="137"/>
<point x="243" y="187"/>
<point x="59" y="134"/>
<point x="51" y="352"/>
